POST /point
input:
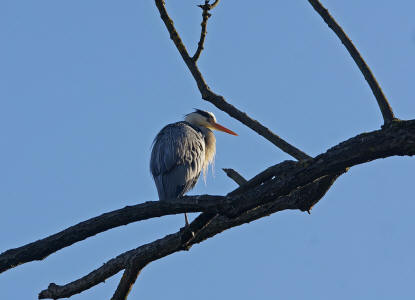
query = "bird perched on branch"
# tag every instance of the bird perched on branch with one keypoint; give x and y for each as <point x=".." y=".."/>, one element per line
<point x="181" y="151"/>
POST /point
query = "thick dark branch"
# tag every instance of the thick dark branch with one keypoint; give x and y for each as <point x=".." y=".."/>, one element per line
<point x="397" y="139"/>
<point x="231" y="173"/>
<point x="302" y="197"/>
<point x="383" y="103"/>
<point x="300" y="188"/>
<point x="134" y="268"/>
<point x="220" y="101"/>
<point x="204" y="220"/>
<point x="42" y="248"/>
<point x="173" y="242"/>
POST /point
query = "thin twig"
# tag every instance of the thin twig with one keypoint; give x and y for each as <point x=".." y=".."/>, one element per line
<point x="205" y="17"/>
<point x="220" y="101"/>
<point x="231" y="173"/>
<point x="383" y="103"/>
<point x="214" y="4"/>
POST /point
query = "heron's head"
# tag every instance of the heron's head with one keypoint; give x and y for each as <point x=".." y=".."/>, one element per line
<point x="206" y="119"/>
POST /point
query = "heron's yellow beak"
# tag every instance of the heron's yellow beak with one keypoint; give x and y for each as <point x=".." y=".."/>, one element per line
<point x="221" y="128"/>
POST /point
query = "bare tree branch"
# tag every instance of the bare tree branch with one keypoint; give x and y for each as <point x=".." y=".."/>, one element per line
<point x="220" y="101"/>
<point x="303" y="198"/>
<point x="300" y="188"/>
<point x="173" y="242"/>
<point x="42" y="248"/>
<point x="288" y="185"/>
<point x="235" y="176"/>
<point x="134" y="268"/>
<point x="383" y="103"/>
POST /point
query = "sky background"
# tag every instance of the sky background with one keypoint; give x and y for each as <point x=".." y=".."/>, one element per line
<point x="86" y="85"/>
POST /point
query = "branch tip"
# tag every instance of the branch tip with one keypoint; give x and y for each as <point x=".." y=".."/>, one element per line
<point x="205" y="17"/>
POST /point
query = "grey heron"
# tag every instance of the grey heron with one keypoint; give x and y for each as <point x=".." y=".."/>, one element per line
<point x="181" y="151"/>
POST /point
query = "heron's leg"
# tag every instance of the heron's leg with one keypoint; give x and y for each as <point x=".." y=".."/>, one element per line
<point x="186" y="220"/>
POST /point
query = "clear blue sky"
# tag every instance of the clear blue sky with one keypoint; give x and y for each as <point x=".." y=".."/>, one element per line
<point x="86" y="85"/>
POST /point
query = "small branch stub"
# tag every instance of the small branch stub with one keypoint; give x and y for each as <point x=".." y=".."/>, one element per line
<point x="235" y="176"/>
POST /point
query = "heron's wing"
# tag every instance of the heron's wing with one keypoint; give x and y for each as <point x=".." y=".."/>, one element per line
<point x="177" y="159"/>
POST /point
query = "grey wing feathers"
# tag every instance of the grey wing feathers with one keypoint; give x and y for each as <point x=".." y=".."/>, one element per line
<point x="177" y="159"/>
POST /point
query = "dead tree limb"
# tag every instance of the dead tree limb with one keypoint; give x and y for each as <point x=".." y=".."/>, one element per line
<point x="300" y="188"/>
<point x="42" y="248"/>
<point x="288" y="185"/>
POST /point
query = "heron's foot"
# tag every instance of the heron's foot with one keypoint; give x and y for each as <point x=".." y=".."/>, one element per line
<point x="186" y="220"/>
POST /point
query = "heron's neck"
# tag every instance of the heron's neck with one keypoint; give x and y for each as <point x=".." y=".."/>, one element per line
<point x="210" y="146"/>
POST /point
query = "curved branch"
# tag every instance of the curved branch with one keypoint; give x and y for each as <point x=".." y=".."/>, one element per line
<point x="220" y="101"/>
<point x="173" y="242"/>
<point x="299" y="188"/>
<point x="396" y="139"/>
<point x="383" y="103"/>
<point x="132" y="271"/>
<point x="42" y="248"/>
